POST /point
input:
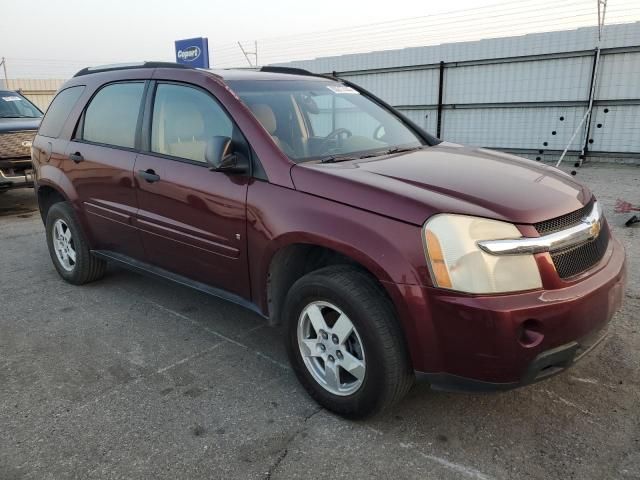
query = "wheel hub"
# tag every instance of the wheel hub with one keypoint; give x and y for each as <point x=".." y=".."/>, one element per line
<point x="331" y="348"/>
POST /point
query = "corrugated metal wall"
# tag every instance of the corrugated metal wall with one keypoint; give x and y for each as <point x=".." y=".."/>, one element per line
<point x="39" y="91"/>
<point x="524" y="94"/>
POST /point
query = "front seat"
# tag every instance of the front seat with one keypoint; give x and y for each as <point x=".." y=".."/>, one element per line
<point x="267" y="118"/>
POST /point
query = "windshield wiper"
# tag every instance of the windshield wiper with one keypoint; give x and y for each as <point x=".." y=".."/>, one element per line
<point x="402" y="149"/>
<point x="337" y="158"/>
<point x="345" y="158"/>
<point x="16" y="116"/>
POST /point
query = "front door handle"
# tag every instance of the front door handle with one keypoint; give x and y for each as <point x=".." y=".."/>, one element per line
<point x="149" y="175"/>
<point x="76" y="157"/>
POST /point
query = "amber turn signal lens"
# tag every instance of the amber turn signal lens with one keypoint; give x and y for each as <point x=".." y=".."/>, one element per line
<point x="438" y="265"/>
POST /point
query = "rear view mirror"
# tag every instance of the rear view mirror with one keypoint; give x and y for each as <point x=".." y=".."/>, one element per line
<point x="309" y="105"/>
<point x="221" y="158"/>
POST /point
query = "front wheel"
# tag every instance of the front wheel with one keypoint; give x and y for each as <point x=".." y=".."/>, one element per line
<point x="345" y="343"/>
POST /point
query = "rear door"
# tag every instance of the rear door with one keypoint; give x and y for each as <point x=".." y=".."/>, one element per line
<point x="100" y="161"/>
<point x="192" y="220"/>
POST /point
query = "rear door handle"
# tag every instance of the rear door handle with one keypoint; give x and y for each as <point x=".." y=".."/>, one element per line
<point x="76" y="157"/>
<point x="149" y="175"/>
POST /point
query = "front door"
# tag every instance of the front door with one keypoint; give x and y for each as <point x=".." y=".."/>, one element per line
<point x="192" y="220"/>
<point x="99" y="162"/>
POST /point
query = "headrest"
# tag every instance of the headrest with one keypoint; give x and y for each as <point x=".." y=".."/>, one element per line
<point x="265" y="116"/>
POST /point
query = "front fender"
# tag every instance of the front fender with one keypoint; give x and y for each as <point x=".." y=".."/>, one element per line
<point x="278" y="217"/>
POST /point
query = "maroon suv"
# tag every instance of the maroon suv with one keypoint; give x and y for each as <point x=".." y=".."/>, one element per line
<point x="385" y="253"/>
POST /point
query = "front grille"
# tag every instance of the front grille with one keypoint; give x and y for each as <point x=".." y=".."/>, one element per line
<point x="11" y="144"/>
<point x="577" y="259"/>
<point x="563" y="222"/>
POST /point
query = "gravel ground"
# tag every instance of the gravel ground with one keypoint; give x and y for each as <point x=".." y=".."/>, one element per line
<point x="131" y="377"/>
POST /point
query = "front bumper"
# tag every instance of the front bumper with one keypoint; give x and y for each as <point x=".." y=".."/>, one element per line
<point x="543" y="366"/>
<point x="483" y="343"/>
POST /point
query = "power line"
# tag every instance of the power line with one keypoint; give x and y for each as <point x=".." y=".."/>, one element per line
<point x="500" y="19"/>
<point x="509" y="6"/>
<point x="349" y="43"/>
<point x="274" y="55"/>
<point x="401" y="25"/>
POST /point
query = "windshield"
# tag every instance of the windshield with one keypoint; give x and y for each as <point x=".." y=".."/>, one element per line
<point x="323" y="119"/>
<point x="13" y="105"/>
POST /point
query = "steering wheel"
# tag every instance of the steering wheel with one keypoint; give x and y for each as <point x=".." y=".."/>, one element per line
<point x="335" y="134"/>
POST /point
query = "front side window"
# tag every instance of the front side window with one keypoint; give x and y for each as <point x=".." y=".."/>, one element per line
<point x="112" y="116"/>
<point x="315" y="119"/>
<point x="59" y="110"/>
<point x="14" y="105"/>
<point x="184" y="119"/>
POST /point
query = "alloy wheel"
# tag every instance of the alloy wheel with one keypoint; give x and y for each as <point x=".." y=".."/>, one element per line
<point x="63" y="245"/>
<point x="331" y="348"/>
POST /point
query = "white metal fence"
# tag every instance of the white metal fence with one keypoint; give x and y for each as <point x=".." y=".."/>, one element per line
<point x="522" y="94"/>
<point x="39" y="91"/>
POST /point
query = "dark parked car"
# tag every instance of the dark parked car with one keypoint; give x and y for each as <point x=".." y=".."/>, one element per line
<point x="385" y="253"/>
<point x="19" y="120"/>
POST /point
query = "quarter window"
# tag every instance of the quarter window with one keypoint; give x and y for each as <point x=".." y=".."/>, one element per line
<point x="59" y="110"/>
<point x="112" y="115"/>
<point x="184" y="119"/>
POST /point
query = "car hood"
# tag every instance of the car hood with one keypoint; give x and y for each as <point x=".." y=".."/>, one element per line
<point x="447" y="178"/>
<point x="18" y="124"/>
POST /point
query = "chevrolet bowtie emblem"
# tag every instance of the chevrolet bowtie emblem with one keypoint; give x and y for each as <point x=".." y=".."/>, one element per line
<point x="594" y="231"/>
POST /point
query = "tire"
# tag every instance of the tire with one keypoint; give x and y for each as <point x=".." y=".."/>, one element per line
<point x="336" y="291"/>
<point x="85" y="268"/>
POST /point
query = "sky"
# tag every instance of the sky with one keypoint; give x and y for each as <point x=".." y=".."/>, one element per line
<point x="54" y="37"/>
<point x="107" y="30"/>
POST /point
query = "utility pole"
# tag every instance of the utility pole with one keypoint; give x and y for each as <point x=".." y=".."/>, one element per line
<point x="4" y="67"/>
<point x="254" y="54"/>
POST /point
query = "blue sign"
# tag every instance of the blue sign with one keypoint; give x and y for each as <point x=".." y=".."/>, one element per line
<point x="193" y="52"/>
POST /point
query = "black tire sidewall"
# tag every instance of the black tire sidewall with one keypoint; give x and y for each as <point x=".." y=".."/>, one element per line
<point x="367" y="399"/>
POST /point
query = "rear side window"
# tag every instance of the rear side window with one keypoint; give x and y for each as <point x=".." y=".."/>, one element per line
<point x="184" y="119"/>
<point x="112" y="116"/>
<point x="59" y="110"/>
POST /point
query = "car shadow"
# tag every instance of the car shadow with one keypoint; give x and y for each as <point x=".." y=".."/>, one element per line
<point x="20" y="202"/>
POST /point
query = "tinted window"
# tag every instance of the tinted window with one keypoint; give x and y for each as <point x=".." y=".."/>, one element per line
<point x="59" y="110"/>
<point x="112" y="115"/>
<point x="184" y="119"/>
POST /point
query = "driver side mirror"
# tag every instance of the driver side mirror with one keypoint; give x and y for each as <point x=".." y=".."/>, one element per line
<point x="221" y="158"/>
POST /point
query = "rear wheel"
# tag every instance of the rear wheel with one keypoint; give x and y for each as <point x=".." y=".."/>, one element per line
<point x="68" y="248"/>
<point x="345" y="343"/>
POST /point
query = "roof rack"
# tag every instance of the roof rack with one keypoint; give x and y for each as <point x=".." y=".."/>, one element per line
<point x="128" y="66"/>
<point x="289" y="70"/>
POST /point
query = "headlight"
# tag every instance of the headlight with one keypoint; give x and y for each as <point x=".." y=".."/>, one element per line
<point x="457" y="263"/>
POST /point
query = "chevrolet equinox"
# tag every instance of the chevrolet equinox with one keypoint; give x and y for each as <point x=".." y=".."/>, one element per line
<point x="385" y="253"/>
